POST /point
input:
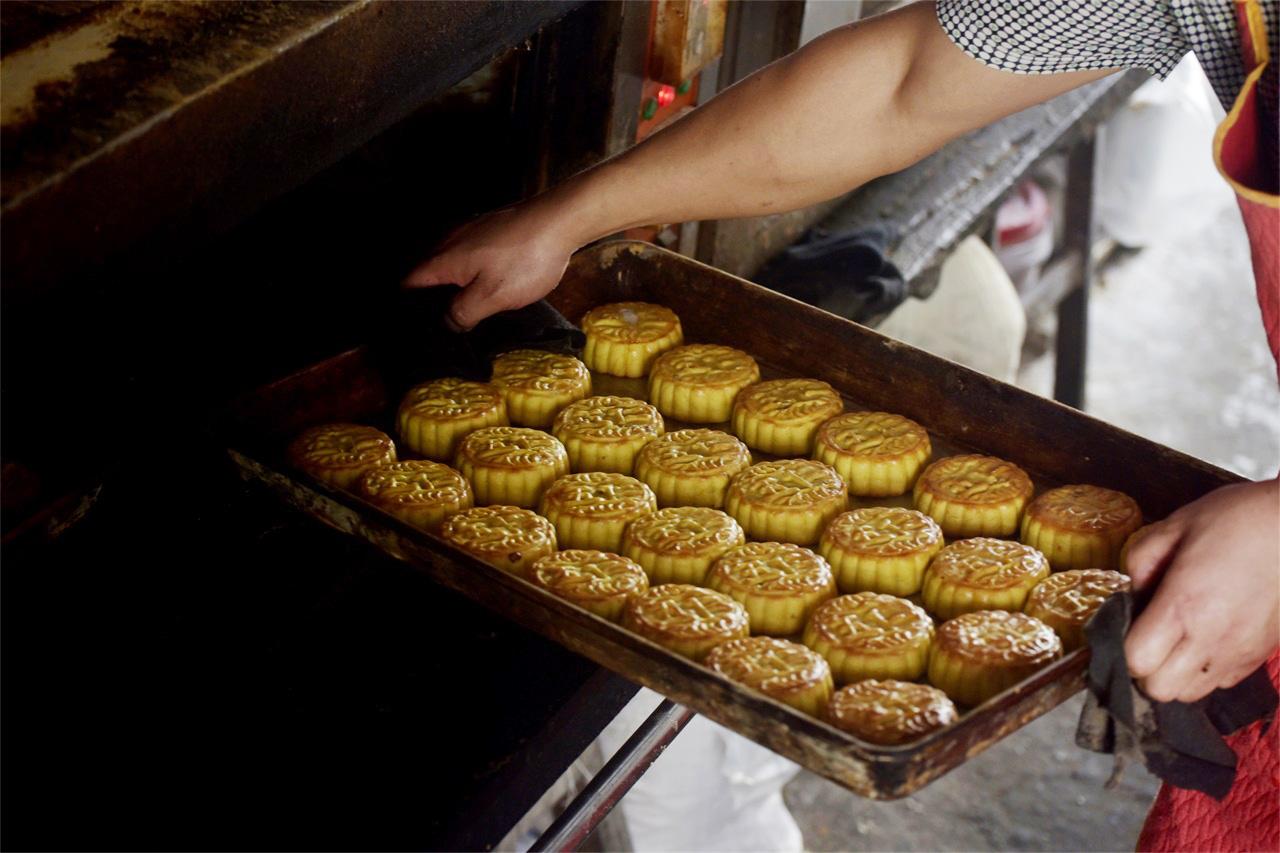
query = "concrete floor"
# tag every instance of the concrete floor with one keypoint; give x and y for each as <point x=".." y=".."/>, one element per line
<point x="1177" y="353"/>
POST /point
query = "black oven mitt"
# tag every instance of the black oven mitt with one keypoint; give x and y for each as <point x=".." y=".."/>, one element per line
<point x="1179" y="742"/>
<point x="418" y="346"/>
<point x="845" y="272"/>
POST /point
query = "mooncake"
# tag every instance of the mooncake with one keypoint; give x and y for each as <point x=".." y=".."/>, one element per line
<point x="981" y="574"/>
<point x="890" y="712"/>
<point x="591" y="510"/>
<point x="688" y="620"/>
<point x="624" y="338"/>
<point x="691" y="467"/>
<point x="977" y="655"/>
<point x="594" y="580"/>
<point x="786" y="671"/>
<point x="973" y="495"/>
<point x="340" y="454"/>
<point x="778" y="583"/>
<point x="880" y="549"/>
<point x="781" y="416"/>
<point x="878" y="454"/>
<point x="537" y="384"/>
<point x="416" y="491"/>
<point x="787" y="500"/>
<point x="1081" y="527"/>
<point x="1065" y="601"/>
<point x="508" y="537"/>
<point x="679" y="544"/>
<point x="434" y="416"/>
<point x="871" y="635"/>
<point x="510" y="465"/>
<point x="698" y="383"/>
<point x="606" y="433"/>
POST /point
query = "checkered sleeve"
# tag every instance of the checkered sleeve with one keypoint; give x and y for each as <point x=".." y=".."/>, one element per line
<point x="1052" y="36"/>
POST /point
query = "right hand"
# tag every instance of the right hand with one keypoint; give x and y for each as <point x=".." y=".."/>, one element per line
<point x="503" y="260"/>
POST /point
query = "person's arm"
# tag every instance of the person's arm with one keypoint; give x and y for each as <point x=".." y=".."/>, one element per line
<point x="857" y="103"/>
<point x="1215" y="615"/>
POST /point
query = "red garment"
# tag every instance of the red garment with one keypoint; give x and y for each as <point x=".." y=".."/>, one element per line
<point x="1249" y="817"/>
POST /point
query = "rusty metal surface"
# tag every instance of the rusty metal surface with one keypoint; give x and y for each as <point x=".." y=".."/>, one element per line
<point x="168" y="120"/>
<point x="963" y="410"/>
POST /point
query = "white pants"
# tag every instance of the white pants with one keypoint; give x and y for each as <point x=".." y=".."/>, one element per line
<point x="710" y="790"/>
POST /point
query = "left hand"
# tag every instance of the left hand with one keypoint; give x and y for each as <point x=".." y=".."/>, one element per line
<point x="1215" y="614"/>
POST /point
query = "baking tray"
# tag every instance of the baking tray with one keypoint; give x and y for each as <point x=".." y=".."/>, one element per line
<point x="963" y="410"/>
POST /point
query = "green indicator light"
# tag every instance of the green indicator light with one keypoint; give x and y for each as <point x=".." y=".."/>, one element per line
<point x="684" y="87"/>
<point x="650" y="109"/>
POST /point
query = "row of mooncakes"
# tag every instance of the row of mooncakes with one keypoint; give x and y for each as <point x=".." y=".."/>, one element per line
<point x="777" y="416"/>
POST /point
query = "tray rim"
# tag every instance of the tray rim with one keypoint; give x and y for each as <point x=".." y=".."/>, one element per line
<point x="1068" y="669"/>
<point x="885" y="772"/>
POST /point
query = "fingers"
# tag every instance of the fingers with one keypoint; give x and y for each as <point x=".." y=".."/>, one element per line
<point x="438" y="270"/>
<point x="480" y="299"/>
<point x="424" y="275"/>
<point x="1150" y="554"/>
<point x="1186" y="674"/>
<point x="1153" y="637"/>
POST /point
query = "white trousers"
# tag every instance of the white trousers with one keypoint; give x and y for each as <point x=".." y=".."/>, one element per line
<point x="710" y="790"/>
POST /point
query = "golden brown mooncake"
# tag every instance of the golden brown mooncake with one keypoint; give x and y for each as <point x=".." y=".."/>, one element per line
<point x="890" y="712"/>
<point x="508" y="537"/>
<point x="692" y="467"/>
<point x="416" y="491"/>
<point x="879" y="454"/>
<point x="594" y="580"/>
<point x="688" y="620"/>
<point x="788" y="500"/>
<point x="1081" y="527"/>
<point x="537" y="384"/>
<point x="510" y="465"/>
<point x="871" y="635"/>
<point x="434" y="416"/>
<point x="1065" y="601"/>
<point x="606" y="433"/>
<point x="624" y="338"/>
<point x="973" y="495"/>
<point x="340" y="454"/>
<point x="981" y="574"/>
<point x="786" y="671"/>
<point x="880" y="549"/>
<point x="977" y="655"/>
<point x="679" y="544"/>
<point x="591" y="510"/>
<point x="778" y="583"/>
<point x="781" y="416"/>
<point x="697" y="383"/>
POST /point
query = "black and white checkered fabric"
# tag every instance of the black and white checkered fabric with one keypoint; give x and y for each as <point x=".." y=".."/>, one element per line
<point x="1051" y="36"/>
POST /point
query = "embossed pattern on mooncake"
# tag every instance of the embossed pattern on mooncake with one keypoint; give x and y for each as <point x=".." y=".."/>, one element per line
<point x="787" y="671"/>
<point x="340" y="454"/>
<point x="879" y="454"/>
<point x="890" y="712"/>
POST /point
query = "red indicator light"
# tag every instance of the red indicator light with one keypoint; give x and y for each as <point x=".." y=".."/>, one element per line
<point x="666" y="94"/>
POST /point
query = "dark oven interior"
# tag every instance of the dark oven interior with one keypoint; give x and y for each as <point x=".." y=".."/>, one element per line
<point x="184" y="658"/>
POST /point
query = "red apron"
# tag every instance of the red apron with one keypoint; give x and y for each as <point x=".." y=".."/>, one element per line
<point x="1249" y="817"/>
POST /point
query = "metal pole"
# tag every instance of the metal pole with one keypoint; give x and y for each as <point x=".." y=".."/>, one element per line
<point x="1073" y="312"/>
<point x="608" y="787"/>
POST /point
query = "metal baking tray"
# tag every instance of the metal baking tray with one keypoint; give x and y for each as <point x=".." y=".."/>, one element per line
<point x="964" y="411"/>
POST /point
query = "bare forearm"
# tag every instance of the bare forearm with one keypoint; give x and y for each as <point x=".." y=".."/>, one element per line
<point x="858" y="103"/>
